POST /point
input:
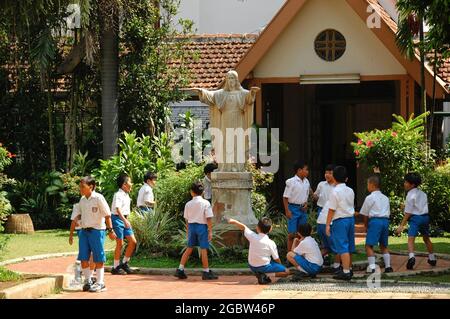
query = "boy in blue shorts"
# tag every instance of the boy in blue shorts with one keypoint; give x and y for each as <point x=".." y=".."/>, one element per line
<point x="262" y="250"/>
<point x="416" y="214"/>
<point x="305" y="254"/>
<point x="295" y="200"/>
<point x="324" y="189"/>
<point x="198" y="215"/>
<point x="95" y="219"/>
<point x="341" y="222"/>
<point x="120" y="210"/>
<point x="376" y="211"/>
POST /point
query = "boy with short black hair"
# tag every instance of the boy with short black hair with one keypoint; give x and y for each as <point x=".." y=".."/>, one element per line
<point x="324" y="188"/>
<point x="263" y="256"/>
<point x="376" y="211"/>
<point x="198" y="215"/>
<point x="295" y="200"/>
<point x="341" y="222"/>
<point x="146" y="198"/>
<point x="207" y="170"/>
<point x="120" y="210"/>
<point x="305" y="254"/>
<point x="416" y="214"/>
<point x="95" y="219"/>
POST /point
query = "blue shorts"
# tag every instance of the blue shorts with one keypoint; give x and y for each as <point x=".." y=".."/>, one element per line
<point x="306" y="265"/>
<point x="419" y="224"/>
<point x="299" y="217"/>
<point x="145" y="210"/>
<point x="198" y="235"/>
<point x="319" y="210"/>
<point x="377" y="231"/>
<point x="343" y="235"/>
<point x="78" y="232"/>
<point x="119" y="227"/>
<point x="272" y="267"/>
<point x="92" y="241"/>
<point x="325" y="240"/>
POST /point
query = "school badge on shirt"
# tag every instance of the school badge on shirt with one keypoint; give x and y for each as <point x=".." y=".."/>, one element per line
<point x="94" y="209"/>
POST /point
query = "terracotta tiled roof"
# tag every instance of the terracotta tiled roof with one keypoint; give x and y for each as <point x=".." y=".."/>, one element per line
<point x="216" y="54"/>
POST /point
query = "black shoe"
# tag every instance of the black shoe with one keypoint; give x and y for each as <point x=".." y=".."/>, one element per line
<point x="411" y="263"/>
<point x="126" y="268"/>
<point x="300" y="274"/>
<point x="388" y="270"/>
<point x="431" y="262"/>
<point x="263" y="279"/>
<point x="337" y="270"/>
<point x="266" y="279"/>
<point x="87" y="285"/>
<point x="343" y="276"/>
<point x="118" y="271"/>
<point x="351" y="272"/>
<point x="369" y="271"/>
<point x="209" y="275"/>
<point x="180" y="274"/>
<point x="327" y="261"/>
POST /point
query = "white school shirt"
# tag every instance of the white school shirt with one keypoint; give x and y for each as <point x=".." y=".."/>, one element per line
<point x="197" y="210"/>
<point x="93" y="211"/>
<point x="322" y="219"/>
<point x="145" y="195"/>
<point x="261" y="248"/>
<point x="416" y="202"/>
<point x="341" y="200"/>
<point x="309" y="249"/>
<point x="297" y="190"/>
<point x="376" y="205"/>
<point x="207" y="191"/>
<point x="75" y="214"/>
<point x="323" y="191"/>
<point x="122" y="201"/>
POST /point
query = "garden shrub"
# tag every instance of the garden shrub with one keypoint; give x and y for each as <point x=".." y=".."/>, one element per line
<point x="436" y="185"/>
<point x="5" y="205"/>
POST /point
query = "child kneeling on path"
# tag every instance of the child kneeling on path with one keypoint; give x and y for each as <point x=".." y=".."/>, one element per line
<point x="416" y="214"/>
<point x="120" y="210"/>
<point x="95" y="219"/>
<point x="261" y="249"/>
<point x="376" y="211"/>
<point x="198" y="215"/>
<point x="305" y="254"/>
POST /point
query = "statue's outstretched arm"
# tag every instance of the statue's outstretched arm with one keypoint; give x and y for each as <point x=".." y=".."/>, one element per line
<point x="205" y="96"/>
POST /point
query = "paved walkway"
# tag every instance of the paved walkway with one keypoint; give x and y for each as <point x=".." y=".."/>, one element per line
<point x="233" y="287"/>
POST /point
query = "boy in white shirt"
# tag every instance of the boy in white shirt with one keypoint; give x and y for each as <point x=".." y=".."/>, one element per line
<point x="146" y="199"/>
<point x="305" y="254"/>
<point x="324" y="189"/>
<point x="198" y="215"/>
<point x="295" y="200"/>
<point x="95" y="219"/>
<point x="75" y="225"/>
<point x="341" y="222"/>
<point x="416" y="214"/>
<point x="263" y="256"/>
<point x="376" y="212"/>
<point x="120" y="210"/>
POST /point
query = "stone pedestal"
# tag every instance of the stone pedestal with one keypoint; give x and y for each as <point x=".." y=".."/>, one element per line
<point x="231" y="197"/>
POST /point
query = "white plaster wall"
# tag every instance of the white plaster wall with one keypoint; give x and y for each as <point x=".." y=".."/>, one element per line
<point x="229" y="16"/>
<point x="293" y="53"/>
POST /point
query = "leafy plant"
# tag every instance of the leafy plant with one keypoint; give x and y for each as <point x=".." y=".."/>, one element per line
<point x="5" y="205"/>
<point x="82" y="166"/>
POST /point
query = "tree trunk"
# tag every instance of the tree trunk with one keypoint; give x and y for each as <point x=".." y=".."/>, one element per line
<point x="423" y="95"/>
<point x="109" y="47"/>
<point x="51" y="138"/>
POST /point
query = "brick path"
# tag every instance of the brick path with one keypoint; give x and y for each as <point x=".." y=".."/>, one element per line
<point x="234" y="287"/>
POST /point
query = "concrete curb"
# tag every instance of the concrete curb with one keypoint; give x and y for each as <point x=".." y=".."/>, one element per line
<point x="34" y="288"/>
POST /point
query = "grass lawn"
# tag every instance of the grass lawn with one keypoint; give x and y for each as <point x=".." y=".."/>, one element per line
<point x="41" y="242"/>
<point x="440" y="244"/>
<point x="428" y="278"/>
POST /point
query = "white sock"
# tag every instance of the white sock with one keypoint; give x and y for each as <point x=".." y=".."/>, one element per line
<point x="371" y="260"/>
<point x="336" y="265"/>
<point x="346" y="271"/>
<point x="101" y="275"/>
<point x="411" y="255"/>
<point x="116" y="263"/>
<point x="87" y="273"/>
<point x="387" y="260"/>
<point x="206" y="269"/>
<point x="126" y="259"/>
<point x="181" y="267"/>
<point x="431" y="257"/>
